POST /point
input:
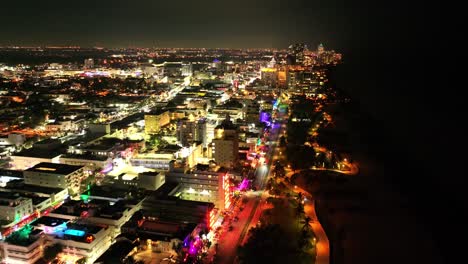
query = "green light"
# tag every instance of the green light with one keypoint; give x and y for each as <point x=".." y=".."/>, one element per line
<point x="84" y="197"/>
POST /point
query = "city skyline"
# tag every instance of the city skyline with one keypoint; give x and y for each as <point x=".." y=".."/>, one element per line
<point x="155" y="116"/>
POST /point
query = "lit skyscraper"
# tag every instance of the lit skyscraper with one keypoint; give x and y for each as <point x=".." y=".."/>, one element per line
<point x="296" y="53"/>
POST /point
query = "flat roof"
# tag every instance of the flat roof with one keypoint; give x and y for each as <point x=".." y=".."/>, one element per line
<point x="49" y="221"/>
<point x="54" y="168"/>
<point x="9" y="195"/>
<point x="107" y="191"/>
<point x="84" y="157"/>
<point x="161" y="227"/>
<point x="157" y="111"/>
<point x="11" y="173"/>
<point x="88" y="228"/>
<point x="36" y="189"/>
<point x="38" y="153"/>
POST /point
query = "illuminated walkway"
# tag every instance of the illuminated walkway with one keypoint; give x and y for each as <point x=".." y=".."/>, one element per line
<point x="322" y="243"/>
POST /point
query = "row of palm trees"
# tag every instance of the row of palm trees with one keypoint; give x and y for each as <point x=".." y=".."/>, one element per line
<point x="306" y="231"/>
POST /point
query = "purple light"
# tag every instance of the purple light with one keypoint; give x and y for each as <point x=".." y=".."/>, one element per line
<point x="192" y="250"/>
<point x="107" y="169"/>
<point x="265" y="117"/>
<point x="243" y="185"/>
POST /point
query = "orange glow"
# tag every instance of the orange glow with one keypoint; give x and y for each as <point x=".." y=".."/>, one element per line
<point x="268" y="70"/>
<point x="89" y="238"/>
<point x="211" y="219"/>
<point x="103" y="93"/>
<point x="227" y="196"/>
<point x="17" y="99"/>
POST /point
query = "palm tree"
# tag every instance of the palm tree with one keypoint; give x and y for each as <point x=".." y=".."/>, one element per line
<point x="303" y="240"/>
<point x="300" y="196"/>
<point x="306" y="223"/>
<point x="300" y="209"/>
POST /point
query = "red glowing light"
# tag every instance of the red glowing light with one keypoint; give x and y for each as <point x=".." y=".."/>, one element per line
<point x="89" y="238"/>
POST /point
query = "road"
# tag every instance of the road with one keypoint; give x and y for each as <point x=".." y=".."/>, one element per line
<point x="249" y="217"/>
<point x="229" y="240"/>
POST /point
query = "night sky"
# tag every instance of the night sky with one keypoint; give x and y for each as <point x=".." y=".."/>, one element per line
<point x="399" y="64"/>
<point x="205" y="23"/>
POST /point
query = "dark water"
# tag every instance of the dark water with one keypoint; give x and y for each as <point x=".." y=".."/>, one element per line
<point x="413" y="122"/>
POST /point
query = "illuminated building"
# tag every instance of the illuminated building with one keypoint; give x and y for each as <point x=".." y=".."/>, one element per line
<point x="146" y="180"/>
<point x="187" y="69"/>
<point x="282" y="76"/>
<point x="158" y="160"/>
<point x="155" y="120"/>
<point x="190" y="131"/>
<point x="16" y="139"/>
<point x="56" y="176"/>
<point x="91" y="162"/>
<point x="320" y="49"/>
<point x="30" y="157"/>
<point x="201" y="183"/>
<point x="252" y="111"/>
<point x="296" y="53"/>
<point x="225" y="145"/>
<point x="272" y="63"/>
<point x="88" y="63"/>
<point x="98" y="208"/>
<point x="79" y="240"/>
<point x="26" y="248"/>
<point x="159" y="235"/>
<point x="170" y="69"/>
<point x="233" y="108"/>
<point x="150" y="180"/>
<point x="60" y="125"/>
<point x="14" y="208"/>
<point x="165" y="204"/>
<point x="269" y="76"/>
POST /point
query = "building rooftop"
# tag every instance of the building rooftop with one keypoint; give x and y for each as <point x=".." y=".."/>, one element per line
<point x="84" y="157"/>
<point x="11" y="173"/>
<point x="9" y="195"/>
<point x="54" y="168"/>
<point x="49" y="221"/>
<point x="83" y="233"/>
<point x="164" y="190"/>
<point x="157" y="111"/>
<point x="26" y="188"/>
<point x="39" y="153"/>
<point x="117" y="252"/>
<point x="107" y="191"/>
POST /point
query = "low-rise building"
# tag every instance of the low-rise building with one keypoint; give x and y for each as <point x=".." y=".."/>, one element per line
<point x="14" y="208"/>
<point x="155" y="120"/>
<point x="207" y="183"/>
<point x="100" y="212"/>
<point x="150" y="180"/>
<point x="22" y="247"/>
<point x="81" y="240"/>
<point x="54" y="196"/>
<point x="164" y="204"/>
<point x="56" y="176"/>
<point x="30" y="157"/>
<point x="159" y="160"/>
<point x="91" y="162"/>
